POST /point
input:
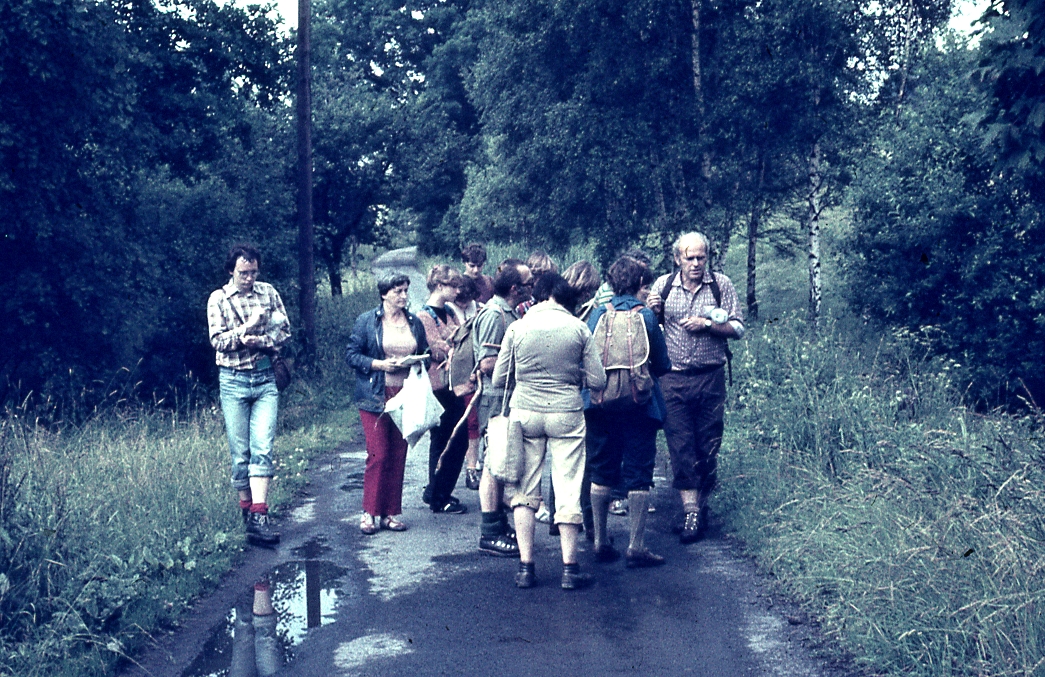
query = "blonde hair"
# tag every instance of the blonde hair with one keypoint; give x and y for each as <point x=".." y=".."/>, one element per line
<point x="540" y="263"/>
<point x="583" y="277"/>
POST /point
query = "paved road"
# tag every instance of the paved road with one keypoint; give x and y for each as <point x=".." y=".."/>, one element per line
<point x="426" y="602"/>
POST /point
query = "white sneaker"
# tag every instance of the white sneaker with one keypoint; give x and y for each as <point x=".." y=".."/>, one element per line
<point x="543" y="516"/>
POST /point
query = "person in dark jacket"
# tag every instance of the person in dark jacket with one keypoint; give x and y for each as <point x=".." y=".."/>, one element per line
<point x="622" y="441"/>
<point x="380" y="343"/>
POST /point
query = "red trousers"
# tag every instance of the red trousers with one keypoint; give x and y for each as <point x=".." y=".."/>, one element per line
<point x="385" y="463"/>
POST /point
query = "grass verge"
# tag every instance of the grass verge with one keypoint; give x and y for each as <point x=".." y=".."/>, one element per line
<point x="911" y="526"/>
<point x="109" y="530"/>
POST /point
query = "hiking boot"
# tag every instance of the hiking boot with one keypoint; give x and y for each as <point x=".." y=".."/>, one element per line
<point x="638" y="559"/>
<point x="573" y="579"/>
<point x="426" y="495"/>
<point x="472" y="477"/>
<point x="526" y="578"/>
<point x="499" y="545"/>
<point x="260" y="531"/>
<point x="692" y="528"/>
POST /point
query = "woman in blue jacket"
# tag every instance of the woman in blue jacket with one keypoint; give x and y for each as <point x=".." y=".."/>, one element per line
<point x="381" y="339"/>
<point x="622" y="442"/>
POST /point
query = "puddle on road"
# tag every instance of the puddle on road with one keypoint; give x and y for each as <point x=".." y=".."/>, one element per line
<point x="259" y="634"/>
<point x="353" y="481"/>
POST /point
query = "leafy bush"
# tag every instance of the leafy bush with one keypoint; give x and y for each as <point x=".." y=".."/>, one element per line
<point x="911" y="526"/>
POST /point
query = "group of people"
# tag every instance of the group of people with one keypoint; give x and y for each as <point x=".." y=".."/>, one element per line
<point x="536" y="360"/>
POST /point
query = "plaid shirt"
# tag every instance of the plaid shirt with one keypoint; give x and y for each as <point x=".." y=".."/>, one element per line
<point x="228" y="309"/>
<point x="686" y="349"/>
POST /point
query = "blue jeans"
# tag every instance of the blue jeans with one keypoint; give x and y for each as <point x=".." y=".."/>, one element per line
<point x="250" y="402"/>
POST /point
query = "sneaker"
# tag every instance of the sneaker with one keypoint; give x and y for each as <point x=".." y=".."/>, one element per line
<point x="452" y="506"/>
<point x="259" y="529"/>
<point x="573" y="579"/>
<point x="472" y="477"/>
<point x="619" y="506"/>
<point x="499" y="545"/>
<point x="526" y="578"/>
<point x="692" y="528"/>
<point x="637" y="559"/>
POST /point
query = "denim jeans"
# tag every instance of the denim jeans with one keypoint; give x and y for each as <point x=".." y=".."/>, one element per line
<point x="250" y="402"/>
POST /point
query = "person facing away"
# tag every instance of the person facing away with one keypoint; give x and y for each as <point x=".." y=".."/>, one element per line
<point x="552" y="356"/>
<point x="248" y="326"/>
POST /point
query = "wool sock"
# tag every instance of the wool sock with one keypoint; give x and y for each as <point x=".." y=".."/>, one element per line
<point x="245" y="505"/>
<point x="260" y="507"/>
<point x="491" y="525"/>
<point x="637" y="504"/>
<point x="600" y="506"/>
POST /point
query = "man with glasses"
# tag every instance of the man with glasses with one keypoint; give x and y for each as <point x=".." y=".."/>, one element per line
<point x="248" y="325"/>
<point x="512" y="285"/>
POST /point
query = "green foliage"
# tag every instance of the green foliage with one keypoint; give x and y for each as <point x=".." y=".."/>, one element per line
<point x="939" y="241"/>
<point x="909" y="526"/>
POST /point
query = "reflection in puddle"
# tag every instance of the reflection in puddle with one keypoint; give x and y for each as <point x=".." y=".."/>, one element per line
<point x="259" y="633"/>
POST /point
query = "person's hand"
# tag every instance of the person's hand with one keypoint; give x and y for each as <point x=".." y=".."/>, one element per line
<point x="695" y="324"/>
<point x="386" y="365"/>
<point x="252" y="341"/>
<point x="654" y="301"/>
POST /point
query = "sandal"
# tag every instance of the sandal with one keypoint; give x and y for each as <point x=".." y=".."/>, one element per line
<point x="392" y="524"/>
<point x="368" y="525"/>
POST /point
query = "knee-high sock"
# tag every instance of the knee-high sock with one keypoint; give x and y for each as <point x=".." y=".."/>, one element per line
<point x="600" y="506"/>
<point x="637" y="504"/>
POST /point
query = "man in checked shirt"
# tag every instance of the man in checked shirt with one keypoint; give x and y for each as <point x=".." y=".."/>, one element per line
<point x="700" y="312"/>
<point x="248" y="325"/>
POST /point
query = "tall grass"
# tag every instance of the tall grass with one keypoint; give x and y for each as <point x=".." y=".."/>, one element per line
<point x="111" y="526"/>
<point x="911" y="526"/>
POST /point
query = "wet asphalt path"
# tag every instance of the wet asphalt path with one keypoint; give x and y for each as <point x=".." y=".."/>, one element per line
<point x="427" y="602"/>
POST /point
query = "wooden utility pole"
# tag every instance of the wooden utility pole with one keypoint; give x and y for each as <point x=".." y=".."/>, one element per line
<point x="306" y="232"/>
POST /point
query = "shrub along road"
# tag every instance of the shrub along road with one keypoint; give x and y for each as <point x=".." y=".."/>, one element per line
<point x="426" y="602"/>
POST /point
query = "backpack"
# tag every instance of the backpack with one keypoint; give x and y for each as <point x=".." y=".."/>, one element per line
<point x="462" y="356"/>
<point x="622" y="341"/>
<point x="716" y="291"/>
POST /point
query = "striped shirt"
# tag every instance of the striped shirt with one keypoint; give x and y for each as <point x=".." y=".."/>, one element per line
<point x="229" y="309"/>
<point x="688" y="350"/>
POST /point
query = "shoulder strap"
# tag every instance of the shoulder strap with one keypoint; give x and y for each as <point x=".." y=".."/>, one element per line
<point x="716" y="291"/>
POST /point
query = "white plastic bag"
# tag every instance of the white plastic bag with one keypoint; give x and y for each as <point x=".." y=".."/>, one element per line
<point x="414" y="409"/>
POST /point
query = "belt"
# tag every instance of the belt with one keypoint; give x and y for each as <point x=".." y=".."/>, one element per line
<point x="697" y="371"/>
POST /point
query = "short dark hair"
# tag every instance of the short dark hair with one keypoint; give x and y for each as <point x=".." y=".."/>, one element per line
<point x="555" y="286"/>
<point x="627" y="275"/>
<point x="507" y="276"/>
<point x="467" y="290"/>
<point x="637" y="254"/>
<point x="241" y="250"/>
<point x="387" y="283"/>
<point x="474" y="253"/>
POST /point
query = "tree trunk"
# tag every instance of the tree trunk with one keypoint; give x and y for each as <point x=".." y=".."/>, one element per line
<point x="698" y="90"/>
<point x="334" y="271"/>
<point x="813" y="209"/>
<point x="905" y="58"/>
<point x="306" y="232"/>
<point x="752" y="238"/>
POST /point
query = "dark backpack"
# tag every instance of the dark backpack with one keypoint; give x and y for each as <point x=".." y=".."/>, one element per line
<point x="622" y="341"/>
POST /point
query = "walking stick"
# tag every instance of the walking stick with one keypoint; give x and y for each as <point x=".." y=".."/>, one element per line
<point x="457" y="428"/>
